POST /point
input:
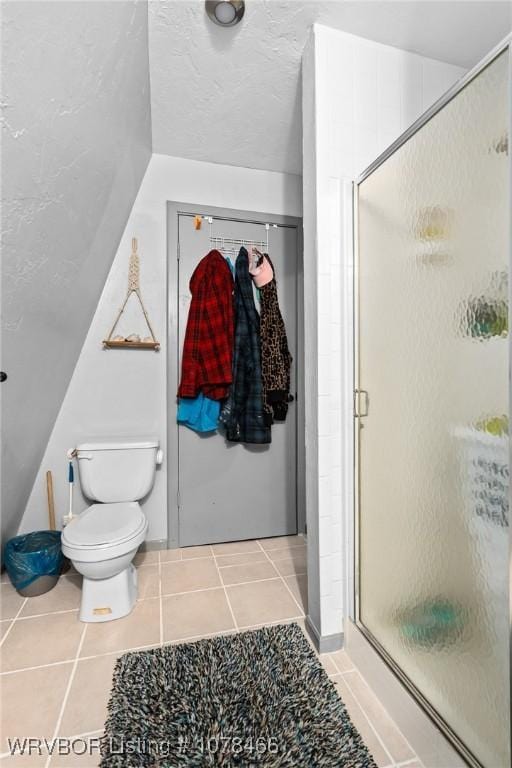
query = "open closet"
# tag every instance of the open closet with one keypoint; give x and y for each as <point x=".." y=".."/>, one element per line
<point x="220" y="489"/>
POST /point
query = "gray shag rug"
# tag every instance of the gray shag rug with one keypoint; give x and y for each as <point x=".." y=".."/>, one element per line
<point x="258" y="698"/>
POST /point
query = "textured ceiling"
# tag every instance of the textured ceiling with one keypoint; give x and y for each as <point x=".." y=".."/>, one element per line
<point x="233" y="95"/>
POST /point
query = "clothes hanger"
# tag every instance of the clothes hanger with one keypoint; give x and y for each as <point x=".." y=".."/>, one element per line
<point x="259" y="254"/>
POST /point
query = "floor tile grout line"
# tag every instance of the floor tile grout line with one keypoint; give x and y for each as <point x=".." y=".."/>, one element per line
<point x="251" y="581"/>
<point x="48" y="613"/>
<point x="141" y="600"/>
<point x="218" y="586"/>
<point x="67" y="691"/>
<point x="380" y="740"/>
<point x="224" y="632"/>
<point x="149" y="646"/>
<point x="8" y="623"/>
<point x="120" y="651"/>
<point x="38" y="666"/>
<point x="195" y="638"/>
<point x="341" y="671"/>
<point x="377" y="735"/>
<point x="258" y="562"/>
<point x="149" y="565"/>
<point x="288" y="556"/>
<point x="288" y="620"/>
<point x="301" y="609"/>
<point x="4" y="638"/>
<point x="161" y="636"/>
<point x="154" y="597"/>
<point x="225" y="592"/>
<point x="209" y="557"/>
<point x="186" y="559"/>
<point x="236" y="554"/>
<point x="241" y="565"/>
<point x="372" y="692"/>
<point x="203" y="557"/>
<point x="286" y="546"/>
<point x="253" y="551"/>
<point x="160" y="598"/>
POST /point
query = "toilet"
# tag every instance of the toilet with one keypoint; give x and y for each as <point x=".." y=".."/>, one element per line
<point x="103" y="540"/>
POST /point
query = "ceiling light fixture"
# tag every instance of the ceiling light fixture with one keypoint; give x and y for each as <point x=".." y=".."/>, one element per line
<point x="226" y="13"/>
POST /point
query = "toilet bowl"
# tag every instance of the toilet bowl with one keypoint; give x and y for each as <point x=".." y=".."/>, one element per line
<point x="102" y="541"/>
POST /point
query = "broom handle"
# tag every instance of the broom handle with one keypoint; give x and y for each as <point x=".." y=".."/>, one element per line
<point x="51" y="506"/>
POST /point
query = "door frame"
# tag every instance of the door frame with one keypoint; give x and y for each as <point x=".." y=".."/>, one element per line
<point x="174" y="209"/>
<point x="354" y="522"/>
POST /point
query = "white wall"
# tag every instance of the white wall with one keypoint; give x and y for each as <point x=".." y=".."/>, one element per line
<point x="358" y="97"/>
<point x="76" y="143"/>
<point x="124" y="392"/>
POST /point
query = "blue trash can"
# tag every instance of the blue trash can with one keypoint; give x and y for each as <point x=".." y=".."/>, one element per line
<point x="34" y="561"/>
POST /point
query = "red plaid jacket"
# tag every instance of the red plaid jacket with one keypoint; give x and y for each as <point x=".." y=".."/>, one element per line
<point x="208" y="347"/>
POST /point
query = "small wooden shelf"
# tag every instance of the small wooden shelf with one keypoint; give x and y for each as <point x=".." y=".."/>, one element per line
<point x="133" y="287"/>
<point x="132" y="345"/>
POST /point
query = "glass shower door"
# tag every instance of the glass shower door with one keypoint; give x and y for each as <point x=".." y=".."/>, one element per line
<point x="432" y="234"/>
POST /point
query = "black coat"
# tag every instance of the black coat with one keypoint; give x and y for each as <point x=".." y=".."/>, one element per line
<point x="242" y="413"/>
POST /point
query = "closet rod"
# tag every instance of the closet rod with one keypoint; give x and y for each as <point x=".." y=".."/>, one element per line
<point x="237" y="221"/>
<point x="237" y="240"/>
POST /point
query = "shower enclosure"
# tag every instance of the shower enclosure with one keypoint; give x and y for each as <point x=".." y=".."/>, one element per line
<point x="432" y="244"/>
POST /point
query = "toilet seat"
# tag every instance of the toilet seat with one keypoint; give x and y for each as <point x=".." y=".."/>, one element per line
<point x="104" y="531"/>
<point x="105" y="524"/>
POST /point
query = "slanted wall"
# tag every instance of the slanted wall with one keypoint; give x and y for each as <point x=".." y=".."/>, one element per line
<point x="76" y="143"/>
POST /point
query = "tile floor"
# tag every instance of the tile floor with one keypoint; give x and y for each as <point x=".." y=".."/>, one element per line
<point x="56" y="672"/>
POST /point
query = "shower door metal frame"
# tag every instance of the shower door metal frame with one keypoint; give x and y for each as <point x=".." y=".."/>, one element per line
<point x="452" y="737"/>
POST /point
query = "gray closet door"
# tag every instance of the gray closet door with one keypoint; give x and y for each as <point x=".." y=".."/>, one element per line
<point x="230" y="491"/>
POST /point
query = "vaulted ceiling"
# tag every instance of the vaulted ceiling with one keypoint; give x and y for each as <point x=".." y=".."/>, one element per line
<point x="233" y="95"/>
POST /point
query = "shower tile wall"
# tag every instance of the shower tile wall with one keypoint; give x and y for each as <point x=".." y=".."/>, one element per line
<point x="358" y="97"/>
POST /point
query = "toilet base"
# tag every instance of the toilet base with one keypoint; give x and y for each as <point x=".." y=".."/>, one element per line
<point x="109" y="599"/>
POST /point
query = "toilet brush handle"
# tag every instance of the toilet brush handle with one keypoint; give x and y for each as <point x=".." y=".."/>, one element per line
<point x="71" y="479"/>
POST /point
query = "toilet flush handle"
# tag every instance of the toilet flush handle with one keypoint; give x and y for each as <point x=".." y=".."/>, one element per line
<point x="159" y="456"/>
<point x="85" y="455"/>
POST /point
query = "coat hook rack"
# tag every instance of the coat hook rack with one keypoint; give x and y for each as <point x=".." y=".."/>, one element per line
<point x="133" y="287"/>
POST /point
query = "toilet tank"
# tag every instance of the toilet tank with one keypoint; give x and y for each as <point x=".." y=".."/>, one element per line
<point x="118" y="470"/>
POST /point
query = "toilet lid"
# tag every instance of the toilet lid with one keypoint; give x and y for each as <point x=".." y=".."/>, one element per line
<point x="105" y="524"/>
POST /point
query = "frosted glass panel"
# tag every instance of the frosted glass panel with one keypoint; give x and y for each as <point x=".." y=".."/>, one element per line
<point x="433" y="229"/>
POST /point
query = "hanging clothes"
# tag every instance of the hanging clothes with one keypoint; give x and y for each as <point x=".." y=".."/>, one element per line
<point x="242" y="413"/>
<point x="208" y="347"/>
<point x="199" y="413"/>
<point x="276" y="359"/>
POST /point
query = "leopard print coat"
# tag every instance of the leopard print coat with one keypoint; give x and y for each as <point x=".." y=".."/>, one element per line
<point x="276" y="359"/>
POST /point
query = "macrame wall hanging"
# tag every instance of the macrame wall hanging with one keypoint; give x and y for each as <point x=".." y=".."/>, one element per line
<point x="134" y="341"/>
